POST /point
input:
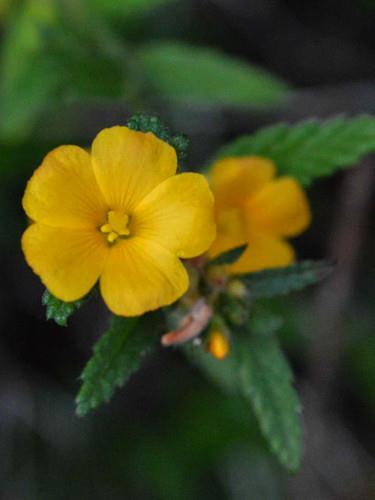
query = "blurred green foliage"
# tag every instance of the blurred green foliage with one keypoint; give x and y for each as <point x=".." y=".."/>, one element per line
<point x="52" y="54"/>
<point x="130" y="8"/>
<point x="58" y="51"/>
<point x="182" y="73"/>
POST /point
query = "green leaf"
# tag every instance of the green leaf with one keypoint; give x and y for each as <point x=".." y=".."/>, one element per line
<point x="309" y="149"/>
<point x="117" y="354"/>
<point x="58" y="310"/>
<point x="28" y="81"/>
<point x="184" y="73"/>
<point x="146" y="123"/>
<point x="257" y="369"/>
<point x="267" y="381"/>
<point x="264" y="323"/>
<point x="228" y="257"/>
<point x="5" y="7"/>
<point x="223" y="372"/>
<point x="130" y="8"/>
<point x="49" y="58"/>
<point x="283" y="280"/>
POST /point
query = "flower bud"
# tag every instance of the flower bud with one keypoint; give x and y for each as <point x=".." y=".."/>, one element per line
<point x="218" y="344"/>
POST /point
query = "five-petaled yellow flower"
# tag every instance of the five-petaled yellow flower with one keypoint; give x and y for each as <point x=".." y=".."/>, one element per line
<point x="118" y="214"/>
<point x="254" y="207"/>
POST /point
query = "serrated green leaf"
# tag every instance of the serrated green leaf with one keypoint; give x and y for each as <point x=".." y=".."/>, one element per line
<point x="58" y="310"/>
<point x="228" y="257"/>
<point x="309" y="149"/>
<point x="117" y="355"/>
<point x="257" y="369"/>
<point x="283" y="280"/>
<point x="266" y="379"/>
<point x="184" y="73"/>
<point x="147" y="123"/>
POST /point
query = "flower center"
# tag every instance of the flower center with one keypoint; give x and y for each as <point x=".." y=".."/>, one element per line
<point x="117" y="225"/>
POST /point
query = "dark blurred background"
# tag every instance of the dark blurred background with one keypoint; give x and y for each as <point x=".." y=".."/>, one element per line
<point x="68" y="69"/>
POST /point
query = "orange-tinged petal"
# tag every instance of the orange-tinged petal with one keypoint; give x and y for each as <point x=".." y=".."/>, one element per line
<point x="178" y="214"/>
<point x="63" y="191"/>
<point x="68" y="261"/>
<point x="263" y="252"/>
<point x="234" y="180"/>
<point x="140" y="275"/>
<point x="129" y="164"/>
<point x="231" y="231"/>
<point x="280" y="208"/>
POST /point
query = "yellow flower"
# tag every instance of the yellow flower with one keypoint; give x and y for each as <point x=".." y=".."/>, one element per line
<point x="254" y="207"/>
<point x="118" y="214"/>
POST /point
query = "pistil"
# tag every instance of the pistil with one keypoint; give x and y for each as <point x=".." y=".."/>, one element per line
<point x="116" y="225"/>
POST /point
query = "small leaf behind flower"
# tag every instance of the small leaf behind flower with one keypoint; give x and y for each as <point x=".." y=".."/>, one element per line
<point x="280" y="281"/>
<point x="146" y="123"/>
<point x="228" y="257"/>
<point x="58" y="310"/>
<point x="117" y="354"/>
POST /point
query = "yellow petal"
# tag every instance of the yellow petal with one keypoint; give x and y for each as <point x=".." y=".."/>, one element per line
<point x="280" y="208"/>
<point x="178" y="214"/>
<point x="68" y="261"/>
<point x="231" y="231"/>
<point x="141" y="275"/>
<point x="129" y="164"/>
<point x="263" y="252"/>
<point x="63" y="191"/>
<point x="234" y="180"/>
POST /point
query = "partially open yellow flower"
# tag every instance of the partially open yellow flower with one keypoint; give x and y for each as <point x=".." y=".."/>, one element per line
<point x="254" y="207"/>
<point x="118" y="214"/>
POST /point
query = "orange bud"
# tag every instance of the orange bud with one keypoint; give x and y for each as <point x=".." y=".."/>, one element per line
<point x="218" y="344"/>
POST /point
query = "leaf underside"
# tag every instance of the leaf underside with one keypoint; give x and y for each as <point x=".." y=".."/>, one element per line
<point x="283" y="280"/>
<point x="228" y="257"/>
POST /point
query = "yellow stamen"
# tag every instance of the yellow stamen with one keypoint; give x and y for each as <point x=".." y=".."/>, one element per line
<point x="116" y="225"/>
<point x="106" y="228"/>
<point x="112" y="237"/>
